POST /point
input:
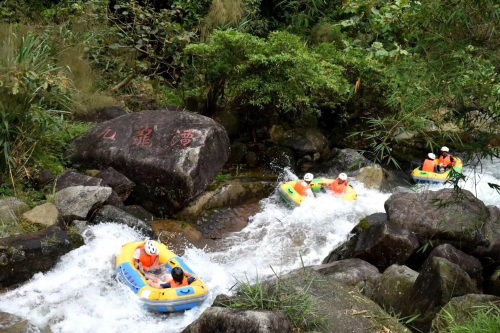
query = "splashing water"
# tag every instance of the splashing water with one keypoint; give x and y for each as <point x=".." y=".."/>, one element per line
<point x="476" y="181"/>
<point x="80" y="294"/>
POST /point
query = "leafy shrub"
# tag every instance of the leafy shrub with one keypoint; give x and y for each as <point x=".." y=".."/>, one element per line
<point x="277" y="77"/>
<point x="156" y="38"/>
<point x="34" y="95"/>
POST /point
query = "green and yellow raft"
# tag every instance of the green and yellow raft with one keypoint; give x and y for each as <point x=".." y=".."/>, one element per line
<point x="293" y="198"/>
<point x="420" y="176"/>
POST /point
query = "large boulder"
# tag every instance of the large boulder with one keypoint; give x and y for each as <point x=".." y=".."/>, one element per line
<point x="377" y="242"/>
<point x="438" y="282"/>
<point x="218" y="319"/>
<point x="170" y="155"/>
<point x="394" y="287"/>
<point x="308" y="145"/>
<point x="23" y="255"/>
<point x="454" y="217"/>
<point x="488" y="250"/>
<point x="343" y="308"/>
<point x="469" y="264"/>
<point x="352" y="273"/>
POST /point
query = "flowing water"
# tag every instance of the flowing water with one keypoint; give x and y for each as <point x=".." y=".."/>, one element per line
<point x="80" y="294"/>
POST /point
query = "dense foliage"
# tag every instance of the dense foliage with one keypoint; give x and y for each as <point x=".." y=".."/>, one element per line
<point x="382" y="71"/>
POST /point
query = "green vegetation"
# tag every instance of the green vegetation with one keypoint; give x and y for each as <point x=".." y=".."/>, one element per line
<point x="480" y="319"/>
<point x="375" y="72"/>
<point x="278" y="296"/>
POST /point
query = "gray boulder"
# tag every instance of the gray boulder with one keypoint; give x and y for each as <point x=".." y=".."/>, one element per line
<point x="354" y="273"/>
<point x="378" y="243"/>
<point x="469" y="264"/>
<point x="118" y="182"/>
<point x="76" y="202"/>
<point x="73" y="178"/>
<point x="394" y="287"/>
<point x="454" y="217"/>
<point x="171" y="156"/>
<point x="343" y="308"/>
<point x="217" y="319"/>
<point x="438" y="282"/>
<point x="108" y="213"/>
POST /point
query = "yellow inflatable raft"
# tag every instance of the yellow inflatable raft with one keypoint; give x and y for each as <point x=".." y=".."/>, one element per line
<point x="161" y="300"/>
<point x="293" y="198"/>
<point x="420" y="176"/>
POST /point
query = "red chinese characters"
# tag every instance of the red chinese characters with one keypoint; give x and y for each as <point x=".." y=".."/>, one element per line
<point x="183" y="138"/>
<point x="108" y="134"/>
<point x="143" y="137"/>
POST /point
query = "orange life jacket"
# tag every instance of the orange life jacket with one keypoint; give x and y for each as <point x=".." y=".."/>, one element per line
<point x="175" y="284"/>
<point x="337" y="187"/>
<point x="446" y="160"/>
<point x="428" y="165"/>
<point x="301" y="187"/>
<point x="146" y="260"/>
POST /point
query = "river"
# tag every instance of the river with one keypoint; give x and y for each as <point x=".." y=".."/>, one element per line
<point x="80" y="294"/>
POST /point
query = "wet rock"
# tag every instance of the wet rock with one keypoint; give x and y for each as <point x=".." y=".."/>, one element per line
<point x="216" y="319"/>
<point x="214" y="224"/>
<point x="24" y="255"/>
<point x="13" y="324"/>
<point x="109" y="213"/>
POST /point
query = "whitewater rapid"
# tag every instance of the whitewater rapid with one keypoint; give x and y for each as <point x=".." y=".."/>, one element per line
<point x="80" y="294"/>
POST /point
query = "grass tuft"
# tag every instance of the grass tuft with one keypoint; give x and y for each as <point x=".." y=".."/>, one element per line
<point x="481" y="319"/>
<point x="278" y="295"/>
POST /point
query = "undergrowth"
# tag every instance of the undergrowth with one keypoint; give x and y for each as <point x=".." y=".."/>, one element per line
<point x="481" y="319"/>
<point x="280" y="296"/>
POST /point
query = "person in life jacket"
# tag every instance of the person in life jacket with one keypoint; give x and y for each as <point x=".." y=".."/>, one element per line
<point x="446" y="161"/>
<point x="339" y="185"/>
<point x="429" y="164"/>
<point x="179" y="279"/>
<point x="303" y="187"/>
<point x="147" y="260"/>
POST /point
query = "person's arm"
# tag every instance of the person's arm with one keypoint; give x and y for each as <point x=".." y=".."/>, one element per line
<point x="137" y="261"/>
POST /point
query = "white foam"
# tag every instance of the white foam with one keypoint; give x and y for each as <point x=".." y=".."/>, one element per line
<point x="81" y="294"/>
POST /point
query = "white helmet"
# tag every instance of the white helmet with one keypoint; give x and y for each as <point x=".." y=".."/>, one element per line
<point x="444" y="148"/>
<point x="151" y="248"/>
<point x="308" y="177"/>
<point x="343" y="176"/>
<point x="431" y="156"/>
